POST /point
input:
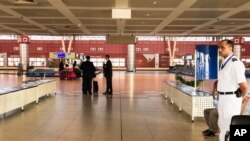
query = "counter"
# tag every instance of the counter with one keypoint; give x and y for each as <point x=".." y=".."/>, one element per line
<point x="188" y="99"/>
<point x="12" y="98"/>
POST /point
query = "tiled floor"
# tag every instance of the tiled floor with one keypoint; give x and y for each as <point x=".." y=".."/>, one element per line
<point x="136" y="112"/>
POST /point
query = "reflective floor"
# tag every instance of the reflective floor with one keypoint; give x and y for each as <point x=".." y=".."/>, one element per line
<point x="136" y="112"/>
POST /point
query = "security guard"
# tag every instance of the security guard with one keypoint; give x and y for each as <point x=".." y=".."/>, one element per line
<point x="231" y="77"/>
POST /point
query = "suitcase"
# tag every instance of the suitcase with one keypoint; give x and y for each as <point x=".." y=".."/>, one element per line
<point x="62" y="75"/>
<point x="95" y="87"/>
<point x="71" y="75"/>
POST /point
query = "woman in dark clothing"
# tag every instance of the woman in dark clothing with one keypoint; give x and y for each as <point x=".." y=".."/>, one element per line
<point x="74" y="64"/>
<point x="61" y="66"/>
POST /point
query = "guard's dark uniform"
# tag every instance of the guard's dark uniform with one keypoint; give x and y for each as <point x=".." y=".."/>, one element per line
<point x="107" y="68"/>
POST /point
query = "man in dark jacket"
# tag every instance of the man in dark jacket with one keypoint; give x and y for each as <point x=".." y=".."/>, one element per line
<point x="88" y="72"/>
<point x="107" y="69"/>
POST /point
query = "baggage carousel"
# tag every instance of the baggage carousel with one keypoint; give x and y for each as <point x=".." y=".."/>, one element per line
<point x="41" y="73"/>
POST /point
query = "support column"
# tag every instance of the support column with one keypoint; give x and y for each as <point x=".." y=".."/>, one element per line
<point x="131" y="58"/>
<point x="171" y="50"/>
<point x="24" y="52"/>
<point x="238" y="41"/>
<point x="157" y="60"/>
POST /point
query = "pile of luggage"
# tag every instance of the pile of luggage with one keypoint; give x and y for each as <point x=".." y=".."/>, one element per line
<point x="70" y="74"/>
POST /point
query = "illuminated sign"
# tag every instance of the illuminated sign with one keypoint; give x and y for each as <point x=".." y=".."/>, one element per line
<point x="62" y="55"/>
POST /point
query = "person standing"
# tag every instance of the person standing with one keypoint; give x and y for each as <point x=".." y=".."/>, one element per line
<point x="107" y="69"/>
<point x="19" y="69"/>
<point x="88" y="72"/>
<point x="231" y="78"/>
<point x="211" y="115"/>
<point x="74" y="64"/>
<point x="61" y="66"/>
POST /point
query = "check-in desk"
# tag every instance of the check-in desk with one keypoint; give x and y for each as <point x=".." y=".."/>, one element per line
<point x="188" y="99"/>
<point x="17" y="97"/>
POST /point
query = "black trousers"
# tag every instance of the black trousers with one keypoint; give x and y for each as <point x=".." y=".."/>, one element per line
<point x="109" y="88"/>
<point x="211" y="117"/>
<point x="87" y="85"/>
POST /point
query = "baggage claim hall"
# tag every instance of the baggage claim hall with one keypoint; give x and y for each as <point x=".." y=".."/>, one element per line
<point x="118" y="70"/>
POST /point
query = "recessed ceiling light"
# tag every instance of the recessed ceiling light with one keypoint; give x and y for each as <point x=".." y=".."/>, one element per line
<point x="155" y="2"/>
<point x="147" y="14"/>
<point x="232" y="23"/>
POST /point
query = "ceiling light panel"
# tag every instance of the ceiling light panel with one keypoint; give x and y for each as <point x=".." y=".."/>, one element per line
<point x="121" y="13"/>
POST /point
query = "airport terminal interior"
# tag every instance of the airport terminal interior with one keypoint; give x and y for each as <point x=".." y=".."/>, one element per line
<point x="160" y="88"/>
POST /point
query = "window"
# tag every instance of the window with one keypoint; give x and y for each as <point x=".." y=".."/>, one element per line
<point x="41" y="62"/>
<point x="98" y="62"/>
<point x="248" y="60"/>
<point x="118" y="62"/>
<point x="1" y="62"/>
<point x="92" y="49"/>
<point x="39" y="48"/>
<point x="100" y="49"/>
<point x="16" y="48"/>
<point x="13" y="61"/>
<point x="179" y="61"/>
<point x="138" y="49"/>
<point x="145" y="49"/>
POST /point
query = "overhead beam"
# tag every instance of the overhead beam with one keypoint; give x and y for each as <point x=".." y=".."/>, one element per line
<point x="28" y="20"/>
<point x="134" y="8"/>
<point x="222" y="17"/>
<point x="233" y="29"/>
<point x="12" y="29"/>
<point x="121" y="23"/>
<point x="61" y="7"/>
<point x="174" y="14"/>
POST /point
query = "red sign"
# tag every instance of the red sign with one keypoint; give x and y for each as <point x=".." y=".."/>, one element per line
<point x="23" y="39"/>
<point x="239" y="40"/>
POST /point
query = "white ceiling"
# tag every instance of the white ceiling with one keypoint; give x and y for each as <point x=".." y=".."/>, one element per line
<point x="93" y="17"/>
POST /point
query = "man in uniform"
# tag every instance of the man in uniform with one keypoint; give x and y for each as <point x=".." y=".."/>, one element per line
<point x="231" y="77"/>
<point x="107" y="68"/>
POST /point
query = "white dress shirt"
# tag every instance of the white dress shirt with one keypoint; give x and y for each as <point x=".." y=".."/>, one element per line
<point x="231" y="75"/>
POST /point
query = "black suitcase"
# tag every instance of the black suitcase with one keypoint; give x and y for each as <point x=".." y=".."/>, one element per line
<point x="95" y="87"/>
